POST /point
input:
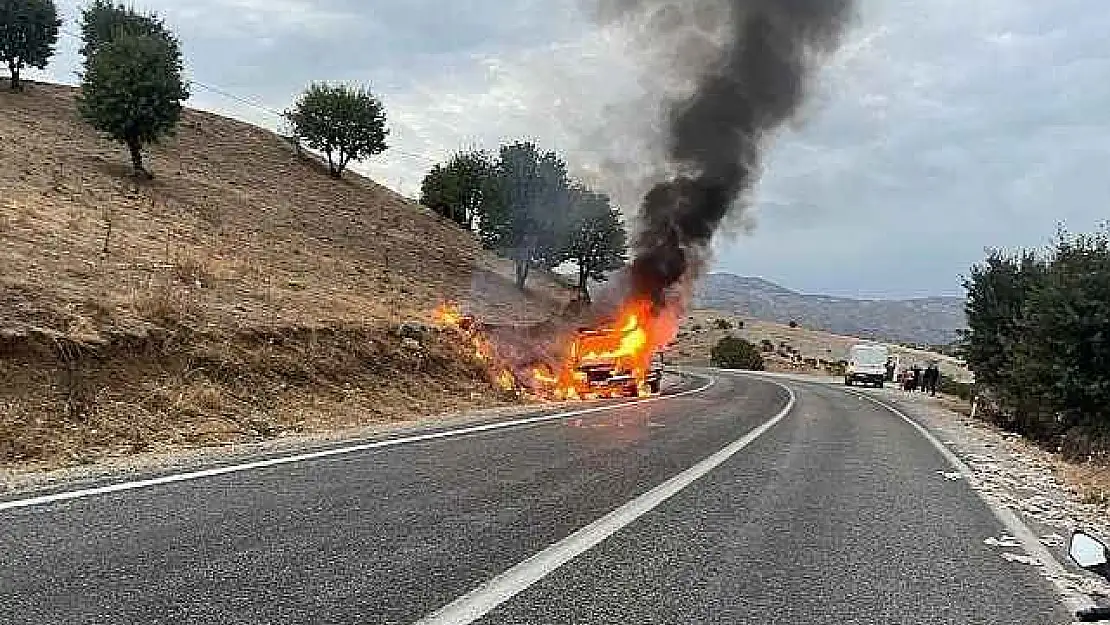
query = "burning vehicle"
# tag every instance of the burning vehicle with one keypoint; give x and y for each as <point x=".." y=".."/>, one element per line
<point x="617" y="356"/>
<point x="602" y="367"/>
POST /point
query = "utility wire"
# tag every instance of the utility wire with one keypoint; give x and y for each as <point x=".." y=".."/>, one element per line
<point x="258" y="105"/>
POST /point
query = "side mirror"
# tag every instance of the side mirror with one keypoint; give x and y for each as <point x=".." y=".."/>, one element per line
<point x="1088" y="551"/>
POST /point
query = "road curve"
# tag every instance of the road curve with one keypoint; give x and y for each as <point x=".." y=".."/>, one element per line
<point x="834" y="514"/>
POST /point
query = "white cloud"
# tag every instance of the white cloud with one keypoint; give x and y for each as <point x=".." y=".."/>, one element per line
<point x="939" y="128"/>
<point x="254" y="18"/>
<point x="567" y="95"/>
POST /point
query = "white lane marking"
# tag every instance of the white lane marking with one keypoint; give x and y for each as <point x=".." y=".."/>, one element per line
<point x="1053" y="570"/>
<point x="480" y="601"/>
<point x="393" y="442"/>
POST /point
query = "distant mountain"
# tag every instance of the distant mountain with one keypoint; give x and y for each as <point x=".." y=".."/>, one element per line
<point x="931" y="320"/>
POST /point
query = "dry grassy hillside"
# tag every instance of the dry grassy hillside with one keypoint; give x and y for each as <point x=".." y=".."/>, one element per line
<point x="233" y="208"/>
<point x="240" y="293"/>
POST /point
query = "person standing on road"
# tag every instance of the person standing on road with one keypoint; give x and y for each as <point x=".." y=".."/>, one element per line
<point x="916" y="383"/>
<point x="932" y="378"/>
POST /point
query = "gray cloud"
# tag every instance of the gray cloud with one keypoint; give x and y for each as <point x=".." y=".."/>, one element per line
<point x="942" y="127"/>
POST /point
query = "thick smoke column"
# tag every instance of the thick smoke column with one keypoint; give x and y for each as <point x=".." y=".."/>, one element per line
<point x="755" y="84"/>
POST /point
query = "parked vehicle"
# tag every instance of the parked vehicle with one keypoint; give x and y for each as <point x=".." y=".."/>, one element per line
<point x="867" y="364"/>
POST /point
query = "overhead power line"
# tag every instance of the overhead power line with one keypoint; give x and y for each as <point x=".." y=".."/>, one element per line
<point x="240" y="99"/>
<point x="257" y="104"/>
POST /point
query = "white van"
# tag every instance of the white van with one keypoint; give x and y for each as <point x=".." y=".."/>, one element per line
<point x="867" y="364"/>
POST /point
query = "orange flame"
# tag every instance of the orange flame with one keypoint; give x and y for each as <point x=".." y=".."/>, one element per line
<point x="623" y="348"/>
<point x="506" y="380"/>
<point x="544" y="376"/>
<point x="448" y="313"/>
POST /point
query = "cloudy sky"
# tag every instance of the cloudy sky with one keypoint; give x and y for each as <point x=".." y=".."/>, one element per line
<point x="941" y="128"/>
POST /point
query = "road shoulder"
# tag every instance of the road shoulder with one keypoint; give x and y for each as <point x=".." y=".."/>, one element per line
<point x="1012" y="473"/>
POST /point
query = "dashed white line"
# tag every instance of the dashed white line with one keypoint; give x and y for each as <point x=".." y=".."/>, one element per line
<point x="271" y="462"/>
<point x="480" y="601"/>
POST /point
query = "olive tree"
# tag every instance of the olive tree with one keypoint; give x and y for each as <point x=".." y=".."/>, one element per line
<point x="526" y="216"/>
<point x="28" y="33"/>
<point x="102" y="21"/>
<point x="460" y="189"/>
<point x="345" y="123"/>
<point x="595" y="239"/>
<point x="132" y="91"/>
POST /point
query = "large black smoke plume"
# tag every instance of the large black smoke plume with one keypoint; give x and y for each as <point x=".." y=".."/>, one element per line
<point x="752" y="81"/>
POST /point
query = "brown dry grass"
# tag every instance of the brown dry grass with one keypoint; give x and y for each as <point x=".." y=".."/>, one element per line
<point x="147" y="393"/>
<point x="233" y="208"/>
<point x="202" y="322"/>
<point x="1090" y="481"/>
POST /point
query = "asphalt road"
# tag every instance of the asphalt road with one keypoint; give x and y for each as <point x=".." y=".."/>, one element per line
<point x="835" y="515"/>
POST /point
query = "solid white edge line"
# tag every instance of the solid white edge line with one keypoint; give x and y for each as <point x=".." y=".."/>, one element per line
<point x="480" y="601"/>
<point x="393" y="442"/>
<point x="1013" y="524"/>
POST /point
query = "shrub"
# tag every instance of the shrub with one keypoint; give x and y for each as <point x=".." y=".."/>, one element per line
<point x="722" y="324"/>
<point x="1064" y="359"/>
<point x="1038" y="337"/>
<point x="793" y="324"/>
<point x="767" y="346"/>
<point x="948" y="386"/>
<point x="193" y="270"/>
<point x="1087" y="444"/>
<point x="736" y="353"/>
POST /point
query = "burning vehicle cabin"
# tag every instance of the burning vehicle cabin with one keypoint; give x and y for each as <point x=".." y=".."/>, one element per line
<point x="602" y="367"/>
<point x="619" y="357"/>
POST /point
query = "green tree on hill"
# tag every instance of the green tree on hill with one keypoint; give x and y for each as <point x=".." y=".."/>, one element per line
<point x="132" y="91"/>
<point x="595" y="239"/>
<point x="102" y="21"/>
<point x="345" y="123"/>
<point x="461" y="189"/>
<point x="28" y="32"/>
<point x="527" y="216"/>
